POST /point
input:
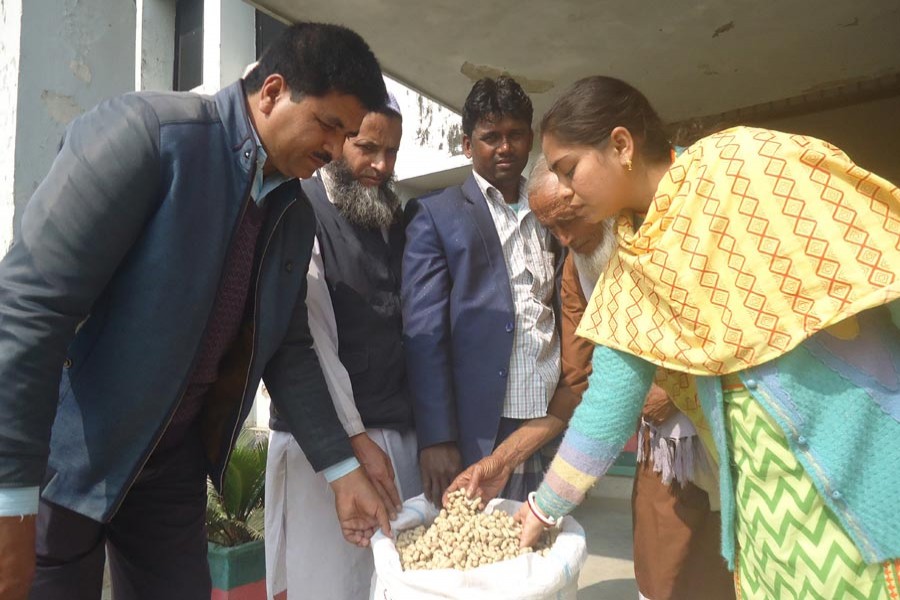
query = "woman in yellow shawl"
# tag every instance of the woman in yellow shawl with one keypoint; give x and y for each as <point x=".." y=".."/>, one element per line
<point x="763" y="268"/>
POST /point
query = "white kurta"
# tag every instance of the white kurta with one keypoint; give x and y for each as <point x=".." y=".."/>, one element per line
<point x="306" y="555"/>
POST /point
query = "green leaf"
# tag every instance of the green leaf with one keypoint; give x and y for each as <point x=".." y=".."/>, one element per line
<point x="235" y="516"/>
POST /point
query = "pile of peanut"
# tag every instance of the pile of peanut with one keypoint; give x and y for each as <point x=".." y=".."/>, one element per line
<point x="461" y="537"/>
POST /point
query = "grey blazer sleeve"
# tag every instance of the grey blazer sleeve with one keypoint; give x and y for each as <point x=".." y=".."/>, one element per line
<point x="76" y="229"/>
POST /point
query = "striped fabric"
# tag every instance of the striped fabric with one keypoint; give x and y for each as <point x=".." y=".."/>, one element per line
<point x="579" y="463"/>
<point x="601" y="425"/>
<point x="534" y="364"/>
<point x="791" y="545"/>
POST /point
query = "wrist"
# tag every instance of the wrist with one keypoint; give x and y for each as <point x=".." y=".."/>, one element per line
<point x="439" y="447"/>
<point x="541" y="516"/>
<point x="340" y="470"/>
<point x="348" y="481"/>
<point x="505" y="459"/>
<point x="522" y="443"/>
<point x="555" y="426"/>
<point x="359" y="440"/>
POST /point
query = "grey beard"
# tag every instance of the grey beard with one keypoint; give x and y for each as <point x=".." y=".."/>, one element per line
<point x="591" y="266"/>
<point x="367" y="207"/>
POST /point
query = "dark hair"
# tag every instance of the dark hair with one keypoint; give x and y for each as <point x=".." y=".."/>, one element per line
<point x="318" y="58"/>
<point x="495" y="98"/>
<point x="589" y="110"/>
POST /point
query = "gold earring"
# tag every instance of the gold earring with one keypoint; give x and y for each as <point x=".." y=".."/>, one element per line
<point x="628" y="164"/>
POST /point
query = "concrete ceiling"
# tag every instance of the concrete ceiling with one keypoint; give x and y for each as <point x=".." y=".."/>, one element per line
<point x="691" y="59"/>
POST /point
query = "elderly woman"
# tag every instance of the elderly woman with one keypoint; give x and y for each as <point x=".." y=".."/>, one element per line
<point x="761" y="270"/>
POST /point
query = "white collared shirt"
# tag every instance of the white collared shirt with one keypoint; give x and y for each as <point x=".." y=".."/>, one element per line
<point x="262" y="185"/>
<point x="534" y="363"/>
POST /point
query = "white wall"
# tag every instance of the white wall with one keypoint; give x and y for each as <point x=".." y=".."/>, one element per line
<point x="73" y="54"/>
<point x="432" y="134"/>
<point x="10" y="27"/>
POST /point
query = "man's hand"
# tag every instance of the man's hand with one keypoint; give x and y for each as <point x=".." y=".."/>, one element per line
<point x="658" y="408"/>
<point x="359" y="508"/>
<point x="439" y="464"/>
<point x="532" y="528"/>
<point x="484" y="479"/>
<point x="379" y="469"/>
<point x="16" y="557"/>
<point x="487" y="477"/>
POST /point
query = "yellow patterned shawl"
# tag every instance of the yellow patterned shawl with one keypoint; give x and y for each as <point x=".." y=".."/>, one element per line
<point x="682" y="390"/>
<point x="755" y="241"/>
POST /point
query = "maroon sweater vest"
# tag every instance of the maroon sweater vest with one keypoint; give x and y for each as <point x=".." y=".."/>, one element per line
<point x="224" y="323"/>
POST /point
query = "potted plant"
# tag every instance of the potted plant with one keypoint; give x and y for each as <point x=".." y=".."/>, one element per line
<point x="234" y="521"/>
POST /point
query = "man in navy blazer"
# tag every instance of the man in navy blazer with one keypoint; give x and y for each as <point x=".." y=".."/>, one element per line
<point x="139" y="314"/>
<point x="481" y="345"/>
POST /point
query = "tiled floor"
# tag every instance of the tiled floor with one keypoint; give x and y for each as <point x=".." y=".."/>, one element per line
<point x="608" y="573"/>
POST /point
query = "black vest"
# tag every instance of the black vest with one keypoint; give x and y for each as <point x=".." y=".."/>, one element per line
<point x="363" y="276"/>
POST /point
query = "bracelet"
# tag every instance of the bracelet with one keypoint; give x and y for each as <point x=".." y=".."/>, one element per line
<point x="537" y="512"/>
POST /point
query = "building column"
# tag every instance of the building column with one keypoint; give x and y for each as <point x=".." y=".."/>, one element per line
<point x="229" y="42"/>
<point x="62" y="57"/>
<point x="10" y="30"/>
<point x="154" y="57"/>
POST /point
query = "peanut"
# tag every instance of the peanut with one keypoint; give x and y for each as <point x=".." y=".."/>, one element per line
<point x="462" y="537"/>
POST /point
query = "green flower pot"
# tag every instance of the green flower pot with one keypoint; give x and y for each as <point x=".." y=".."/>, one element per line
<point x="238" y="572"/>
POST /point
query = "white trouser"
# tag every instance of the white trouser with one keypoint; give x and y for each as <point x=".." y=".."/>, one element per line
<point x="306" y="555"/>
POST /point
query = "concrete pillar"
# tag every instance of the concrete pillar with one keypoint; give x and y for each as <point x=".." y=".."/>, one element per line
<point x="71" y="55"/>
<point x="229" y="42"/>
<point x="10" y="30"/>
<point x="238" y="31"/>
<point x="154" y="59"/>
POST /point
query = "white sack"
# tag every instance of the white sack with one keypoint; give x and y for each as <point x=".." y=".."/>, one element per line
<point x="528" y="577"/>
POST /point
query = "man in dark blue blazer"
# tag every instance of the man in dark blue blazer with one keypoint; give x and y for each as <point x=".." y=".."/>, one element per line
<point x="481" y="345"/>
<point x="139" y="315"/>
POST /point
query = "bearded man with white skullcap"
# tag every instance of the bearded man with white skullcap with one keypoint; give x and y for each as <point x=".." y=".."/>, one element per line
<point x="354" y="315"/>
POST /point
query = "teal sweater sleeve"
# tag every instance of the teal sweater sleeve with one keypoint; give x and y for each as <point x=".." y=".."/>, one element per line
<point x="602" y="423"/>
